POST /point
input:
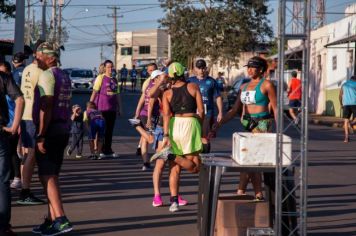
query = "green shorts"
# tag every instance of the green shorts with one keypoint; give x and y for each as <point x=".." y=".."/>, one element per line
<point x="185" y="135"/>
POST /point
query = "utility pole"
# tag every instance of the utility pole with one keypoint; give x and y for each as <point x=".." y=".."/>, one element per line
<point x="28" y="23"/>
<point x="115" y="34"/>
<point x="54" y="21"/>
<point x="43" y="35"/>
<point x="169" y="38"/>
<point x="19" y="26"/>
<point x="61" y="3"/>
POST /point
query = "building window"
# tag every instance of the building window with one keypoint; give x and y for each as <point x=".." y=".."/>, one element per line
<point x="144" y="50"/>
<point x="125" y="51"/>
<point x="334" y="62"/>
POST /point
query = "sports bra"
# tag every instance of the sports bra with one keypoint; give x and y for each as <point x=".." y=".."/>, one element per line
<point x="182" y="102"/>
<point x="255" y="97"/>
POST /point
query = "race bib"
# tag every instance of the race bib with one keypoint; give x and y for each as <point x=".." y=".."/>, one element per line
<point x="248" y="97"/>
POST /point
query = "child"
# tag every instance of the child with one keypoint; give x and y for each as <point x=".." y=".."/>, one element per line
<point x="77" y="131"/>
<point x="95" y="124"/>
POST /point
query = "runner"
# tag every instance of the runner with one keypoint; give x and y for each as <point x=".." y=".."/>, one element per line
<point x="18" y="62"/>
<point x="133" y="77"/>
<point x="156" y="137"/>
<point x="53" y="102"/>
<point x="123" y="76"/>
<point x="294" y="91"/>
<point x="30" y="78"/>
<point x="183" y="113"/>
<point x="142" y="114"/>
<point x="209" y="90"/>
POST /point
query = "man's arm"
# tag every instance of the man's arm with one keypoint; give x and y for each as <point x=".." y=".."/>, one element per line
<point x="219" y="104"/>
<point x="46" y="107"/>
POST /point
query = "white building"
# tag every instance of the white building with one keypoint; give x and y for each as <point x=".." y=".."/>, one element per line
<point x="141" y="47"/>
<point x="332" y="62"/>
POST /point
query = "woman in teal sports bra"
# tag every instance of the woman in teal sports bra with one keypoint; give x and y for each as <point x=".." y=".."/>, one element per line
<point x="256" y="97"/>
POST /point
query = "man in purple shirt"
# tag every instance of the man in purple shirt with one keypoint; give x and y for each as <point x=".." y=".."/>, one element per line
<point x="53" y="95"/>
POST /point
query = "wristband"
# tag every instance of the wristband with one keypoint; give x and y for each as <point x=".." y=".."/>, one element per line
<point x="165" y="135"/>
<point x="40" y="136"/>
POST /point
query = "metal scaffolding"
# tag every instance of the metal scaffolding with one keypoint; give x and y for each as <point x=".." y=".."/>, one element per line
<point x="291" y="181"/>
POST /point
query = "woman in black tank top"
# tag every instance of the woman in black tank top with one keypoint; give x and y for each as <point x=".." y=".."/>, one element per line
<point x="182" y="101"/>
<point x="183" y="113"/>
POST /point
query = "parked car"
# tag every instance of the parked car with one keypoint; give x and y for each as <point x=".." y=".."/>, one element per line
<point x="82" y="79"/>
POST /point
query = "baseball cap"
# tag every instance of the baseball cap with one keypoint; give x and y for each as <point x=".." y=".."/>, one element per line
<point x="175" y="68"/>
<point x="200" y="64"/>
<point x="19" y="57"/>
<point x="156" y="73"/>
<point x="75" y="106"/>
<point x="48" y="48"/>
<point x="257" y="62"/>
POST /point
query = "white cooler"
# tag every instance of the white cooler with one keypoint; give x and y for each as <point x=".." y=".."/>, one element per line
<point x="259" y="148"/>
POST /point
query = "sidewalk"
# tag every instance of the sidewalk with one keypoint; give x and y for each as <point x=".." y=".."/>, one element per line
<point x="336" y="122"/>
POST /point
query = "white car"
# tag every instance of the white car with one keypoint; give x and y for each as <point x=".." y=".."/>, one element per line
<point x="82" y="79"/>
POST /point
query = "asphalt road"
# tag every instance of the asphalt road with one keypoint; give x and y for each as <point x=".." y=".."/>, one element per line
<point x="113" y="197"/>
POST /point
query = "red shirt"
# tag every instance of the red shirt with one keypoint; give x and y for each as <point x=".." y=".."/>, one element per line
<point x="295" y="89"/>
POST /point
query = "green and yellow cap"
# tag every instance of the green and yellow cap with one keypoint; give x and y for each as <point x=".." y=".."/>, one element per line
<point x="175" y="68"/>
<point x="48" y="49"/>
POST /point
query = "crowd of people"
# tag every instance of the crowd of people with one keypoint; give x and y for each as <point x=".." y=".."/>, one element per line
<point x="177" y="114"/>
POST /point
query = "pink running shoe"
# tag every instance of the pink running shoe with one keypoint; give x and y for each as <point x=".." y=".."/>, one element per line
<point x="181" y="201"/>
<point x="157" y="201"/>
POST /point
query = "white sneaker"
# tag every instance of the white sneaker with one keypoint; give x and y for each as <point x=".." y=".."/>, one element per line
<point x="174" y="207"/>
<point x="115" y="155"/>
<point x="163" y="154"/>
<point x="16" y="183"/>
<point x="134" y="122"/>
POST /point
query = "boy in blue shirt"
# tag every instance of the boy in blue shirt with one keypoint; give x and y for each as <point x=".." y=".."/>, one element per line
<point x="133" y="77"/>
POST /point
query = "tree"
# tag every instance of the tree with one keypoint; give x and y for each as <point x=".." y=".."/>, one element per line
<point x="7" y="9"/>
<point x="218" y="29"/>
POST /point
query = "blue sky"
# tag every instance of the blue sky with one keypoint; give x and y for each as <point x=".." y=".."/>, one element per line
<point x="89" y="25"/>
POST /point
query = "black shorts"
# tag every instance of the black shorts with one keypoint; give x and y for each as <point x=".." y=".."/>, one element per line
<point x="348" y="111"/>
<point x="50" y="163"/>
<point x="294" y="103"/>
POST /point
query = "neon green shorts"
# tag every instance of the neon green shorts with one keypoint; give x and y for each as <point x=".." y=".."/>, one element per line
<point x="185" y="135"/>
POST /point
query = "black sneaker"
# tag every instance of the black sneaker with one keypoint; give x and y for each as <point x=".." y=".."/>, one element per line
<point x="93" y="157"/>
<point x="58" y="227"/>
<point x="40" y="228"/>
<point x="30" y="199"/>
